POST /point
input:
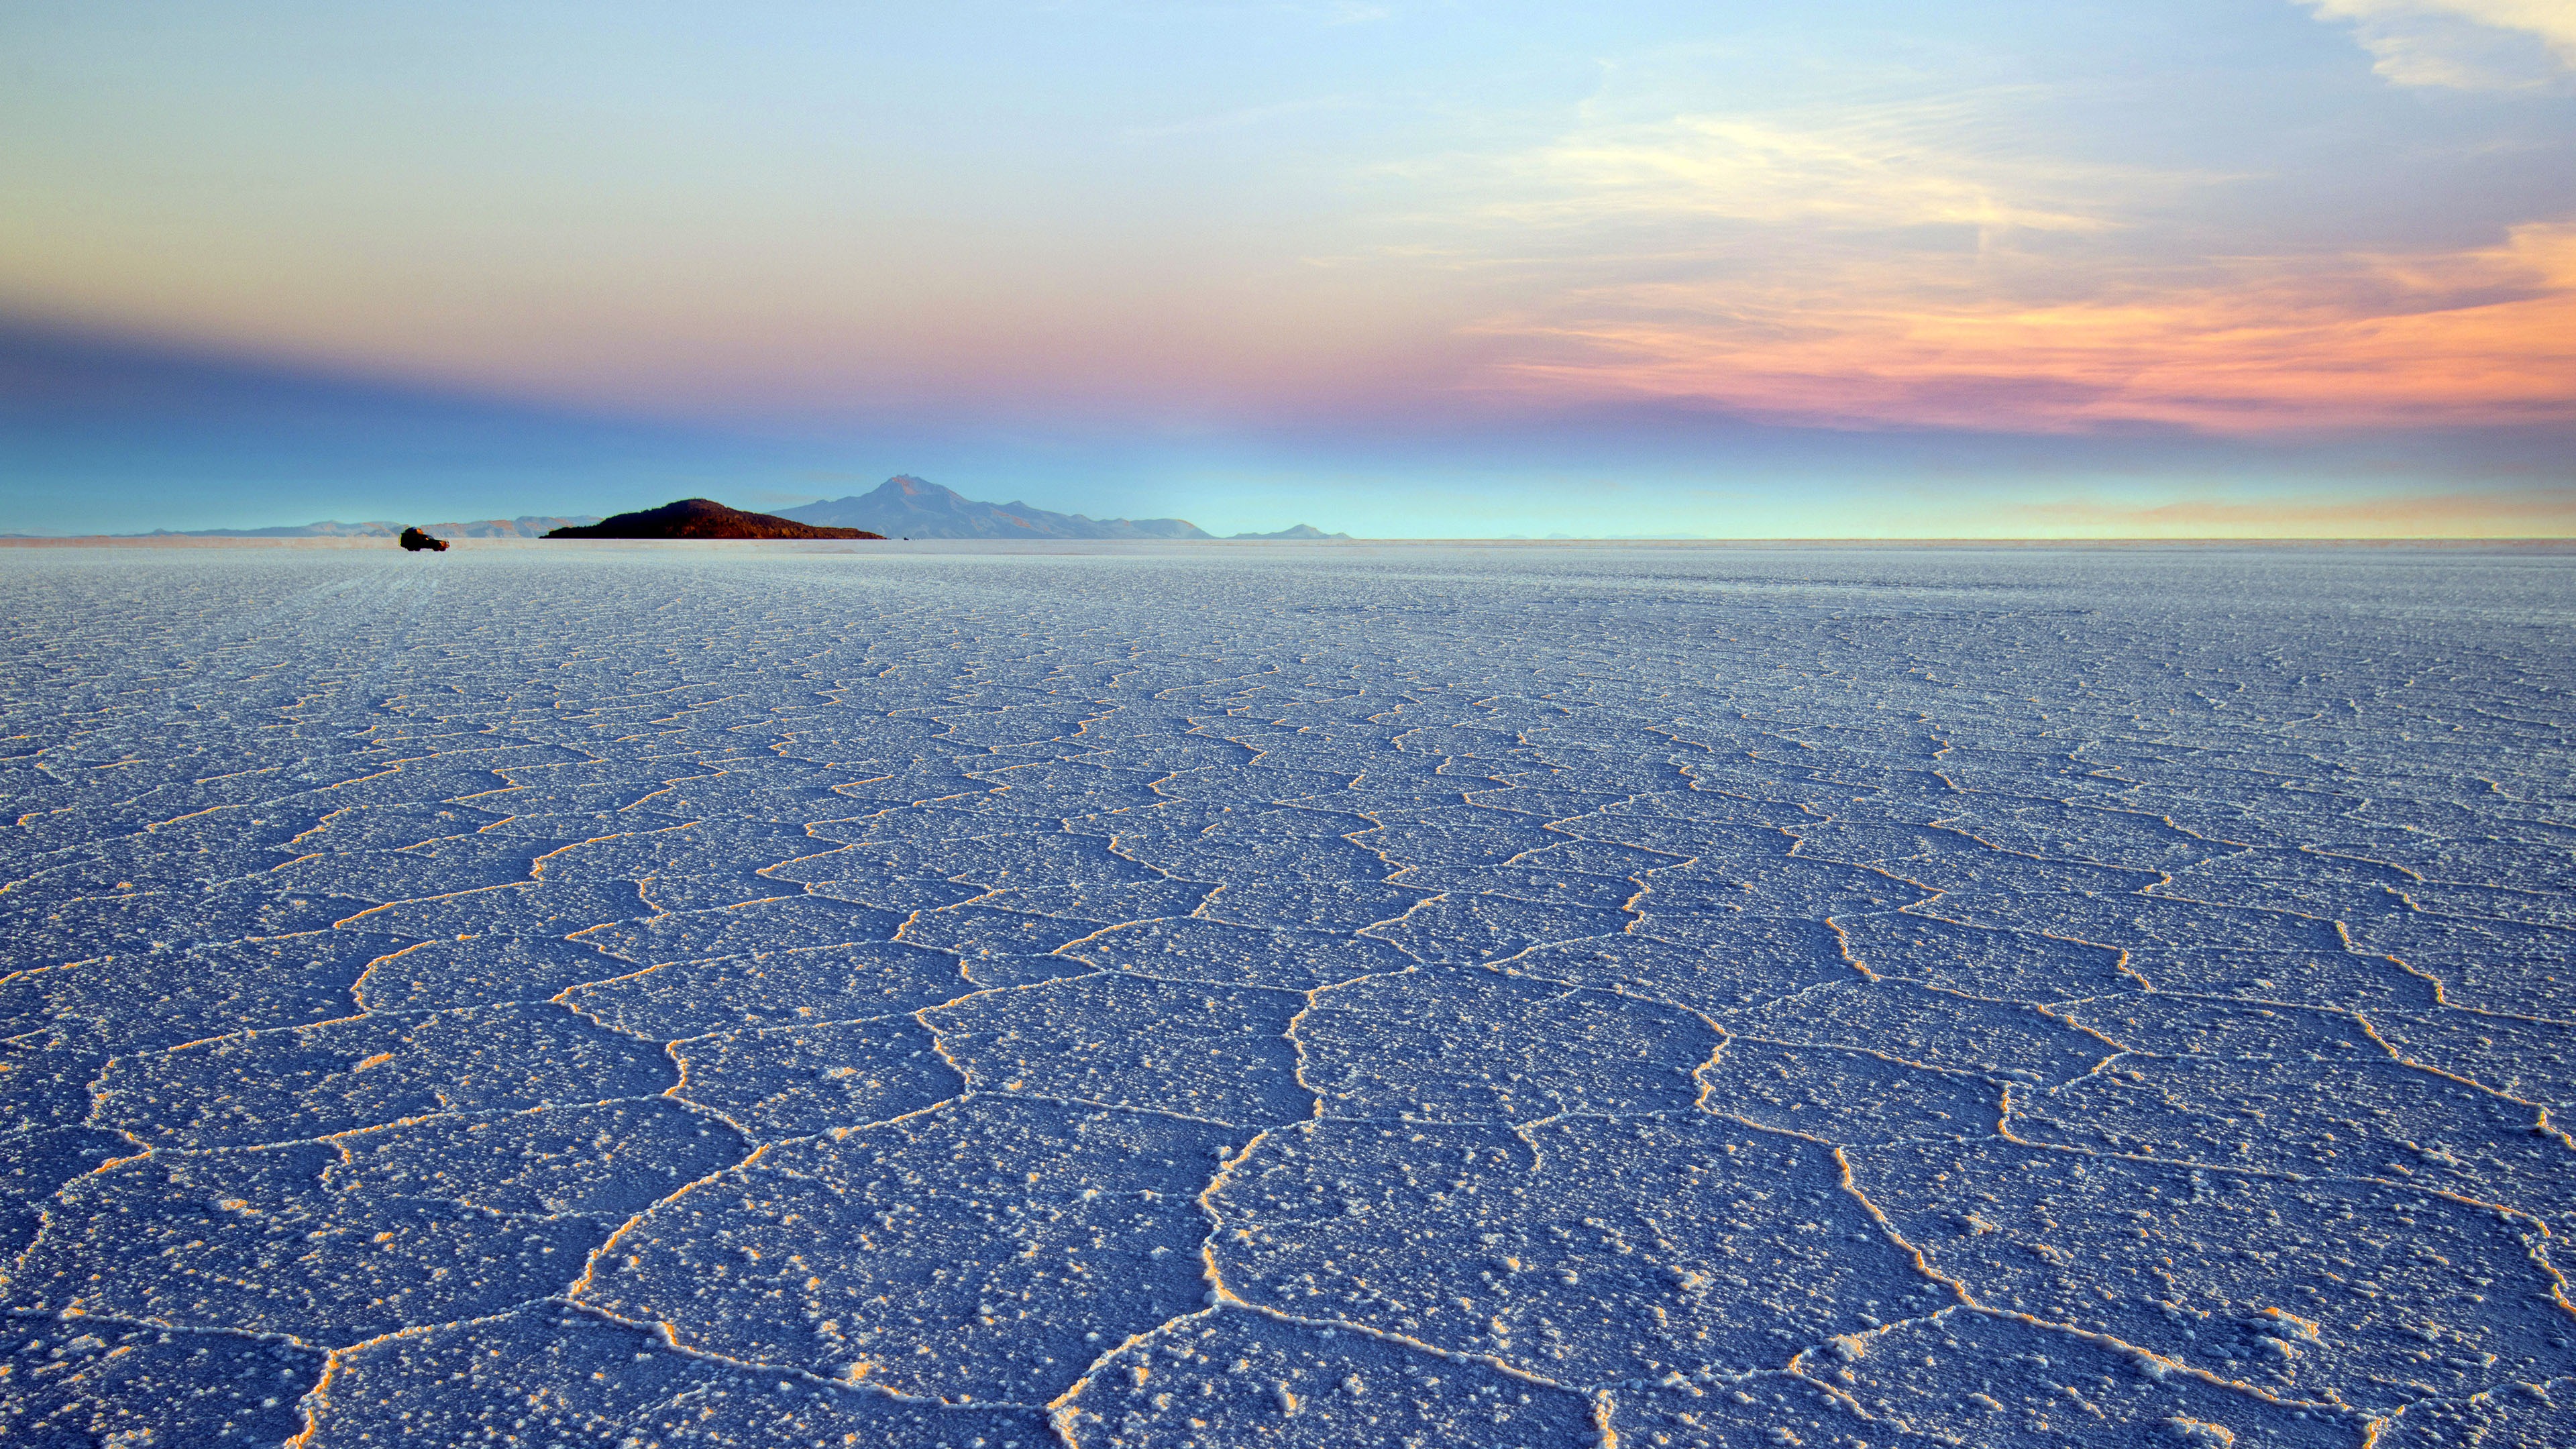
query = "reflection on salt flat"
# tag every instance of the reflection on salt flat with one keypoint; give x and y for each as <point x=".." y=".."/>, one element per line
<point x="1529" y="996"/>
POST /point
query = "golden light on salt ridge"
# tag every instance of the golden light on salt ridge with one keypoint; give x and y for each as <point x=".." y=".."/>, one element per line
<point x="2473" y="337"/>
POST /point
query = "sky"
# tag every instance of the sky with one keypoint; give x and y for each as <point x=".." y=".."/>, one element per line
<point x="1850" y="268"/>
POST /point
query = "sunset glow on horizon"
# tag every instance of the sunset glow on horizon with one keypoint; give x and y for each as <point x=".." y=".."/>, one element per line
<point x="1458" y="269"/>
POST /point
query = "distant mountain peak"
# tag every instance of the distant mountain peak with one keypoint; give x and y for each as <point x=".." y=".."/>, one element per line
<point x="904" y="506"/>
<point x="1299" y="532"/>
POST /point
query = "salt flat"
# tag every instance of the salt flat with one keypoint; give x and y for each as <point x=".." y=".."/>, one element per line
<point x="1162" y="996"/>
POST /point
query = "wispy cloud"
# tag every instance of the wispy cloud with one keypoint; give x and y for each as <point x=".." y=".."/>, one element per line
<point x="1931" y="264"/>
<point x="1878" y="169"/>
<point x="2463" y="44"/>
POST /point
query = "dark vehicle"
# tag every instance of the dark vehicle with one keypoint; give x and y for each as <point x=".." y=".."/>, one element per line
<point x="415" y="540"/>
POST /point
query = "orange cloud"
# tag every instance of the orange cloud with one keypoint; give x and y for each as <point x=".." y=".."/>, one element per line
<point x="2473" y="337"/>
<point x="1930" y="264"/>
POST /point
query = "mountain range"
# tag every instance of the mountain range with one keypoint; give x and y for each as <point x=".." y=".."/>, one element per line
<point x="526" y="527"/>
<point x="901" y="507"/>
<point x="907" y="507"/>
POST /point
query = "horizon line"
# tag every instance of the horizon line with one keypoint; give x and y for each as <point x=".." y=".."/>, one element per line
<point x="187" y="540"/>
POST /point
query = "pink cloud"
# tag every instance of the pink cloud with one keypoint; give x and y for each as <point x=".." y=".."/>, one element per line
<point x="2473" y="337"/>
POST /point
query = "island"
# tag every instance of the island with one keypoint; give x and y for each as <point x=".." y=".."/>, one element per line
<point x="703" y="518"/>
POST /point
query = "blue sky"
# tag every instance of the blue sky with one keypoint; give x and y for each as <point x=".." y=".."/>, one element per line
<point x="1401" y="269"/>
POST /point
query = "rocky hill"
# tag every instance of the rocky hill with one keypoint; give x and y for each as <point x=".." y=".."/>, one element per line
<point x="703" y="518"/>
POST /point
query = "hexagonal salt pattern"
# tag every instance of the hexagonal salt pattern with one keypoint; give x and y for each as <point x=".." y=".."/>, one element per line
<point x="1198" y="997"/>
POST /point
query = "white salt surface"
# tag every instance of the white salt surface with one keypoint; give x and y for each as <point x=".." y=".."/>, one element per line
<point x="1671" y="996"/>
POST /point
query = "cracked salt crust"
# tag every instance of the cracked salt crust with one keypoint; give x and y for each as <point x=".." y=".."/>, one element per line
<point x="1591" y="996"/>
